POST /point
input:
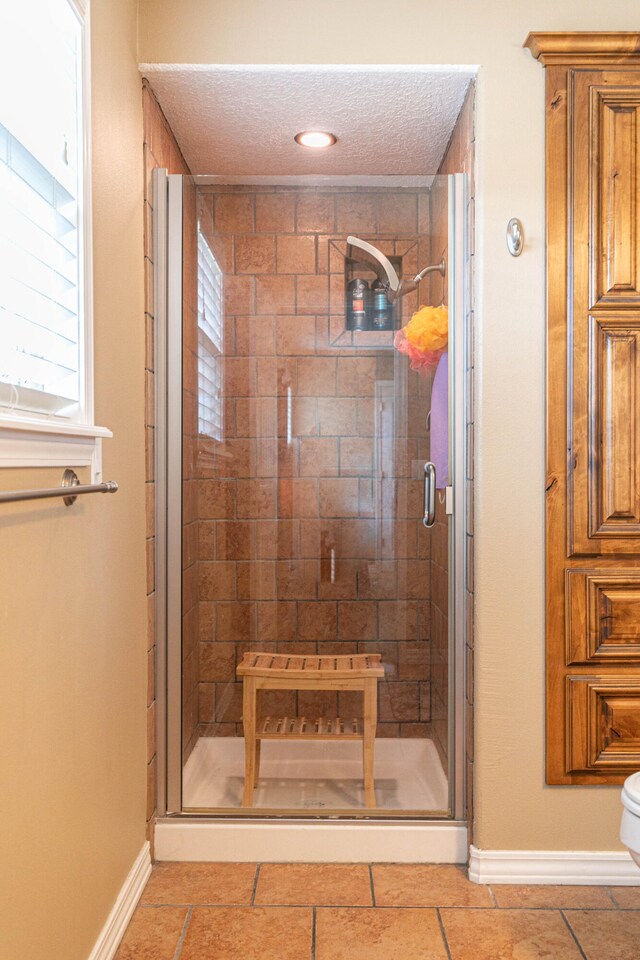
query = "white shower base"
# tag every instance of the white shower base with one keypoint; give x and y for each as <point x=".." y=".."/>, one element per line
<point x="315" y="776"/>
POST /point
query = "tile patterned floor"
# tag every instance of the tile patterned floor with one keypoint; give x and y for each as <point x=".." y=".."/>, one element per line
<point x="279" y="911"/>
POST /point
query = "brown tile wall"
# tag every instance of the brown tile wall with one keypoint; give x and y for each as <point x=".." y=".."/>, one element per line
<point x="159" y="150"/>
<point x="274" y="511"/>
<point x="459" y="158"/>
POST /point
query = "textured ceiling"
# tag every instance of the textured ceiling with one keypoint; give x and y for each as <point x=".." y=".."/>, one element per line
<point x="240" y="121"/>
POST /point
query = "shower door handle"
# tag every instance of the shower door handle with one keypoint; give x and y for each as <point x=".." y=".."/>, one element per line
<point x="429" y="494"/>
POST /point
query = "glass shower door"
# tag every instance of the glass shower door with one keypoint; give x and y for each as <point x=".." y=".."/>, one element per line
<point x="303" y="440"/>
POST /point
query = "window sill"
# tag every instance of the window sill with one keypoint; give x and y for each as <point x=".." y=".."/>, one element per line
<point x="33" y="442"/>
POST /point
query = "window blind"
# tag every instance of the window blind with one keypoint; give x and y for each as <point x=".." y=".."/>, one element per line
<point x="210" y="319"/>
<point x="40" y="213"/>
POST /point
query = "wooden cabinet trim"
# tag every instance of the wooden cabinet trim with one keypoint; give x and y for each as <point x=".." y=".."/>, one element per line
<point x="566" y="47"/>
<point x="557" y="187"/>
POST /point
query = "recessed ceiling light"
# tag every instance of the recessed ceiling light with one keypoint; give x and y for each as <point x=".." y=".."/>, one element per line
<point x="315" y="138"/>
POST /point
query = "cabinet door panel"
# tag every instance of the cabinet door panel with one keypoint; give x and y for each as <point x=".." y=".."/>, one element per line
<point x="614" y="119"/>
<point x="603" y="616"/>
<point x="603" y="724"/>
<point x="604" y="489"/>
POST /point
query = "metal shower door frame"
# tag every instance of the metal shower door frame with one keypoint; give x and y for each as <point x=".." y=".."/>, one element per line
<point x="458" y="257"/>
<point x="167" y="253"/>
<point x="168" y="250"/>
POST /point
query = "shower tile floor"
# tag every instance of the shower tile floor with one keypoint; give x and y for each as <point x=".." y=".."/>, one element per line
<point x="322" y="775"/>
<point x="380" y="911"/>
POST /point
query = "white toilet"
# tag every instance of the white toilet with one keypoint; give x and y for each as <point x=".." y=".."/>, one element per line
<point x="630" y="825"/>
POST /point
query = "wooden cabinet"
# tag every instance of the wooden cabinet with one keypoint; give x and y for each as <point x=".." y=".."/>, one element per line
<point x="593" y="404"/>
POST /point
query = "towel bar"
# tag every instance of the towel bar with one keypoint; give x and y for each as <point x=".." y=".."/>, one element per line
<point x="69" y="479"/>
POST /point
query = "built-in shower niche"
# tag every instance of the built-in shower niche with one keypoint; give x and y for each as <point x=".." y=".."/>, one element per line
<point x="344" y="269"/>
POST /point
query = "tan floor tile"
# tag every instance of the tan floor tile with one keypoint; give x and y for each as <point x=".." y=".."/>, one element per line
<point x="604" y="935"/>
<point x="378" y="934"/>
<point x="314" y="884"/>
<point x="248" y="933"/>
<point x="627" y="898"/>
<point x="559" y="897"/>
<point x="152" y="934"/>
<point x="509" y="935"/>
<point x="200" y="883"/>
<point x="430" y="885"/>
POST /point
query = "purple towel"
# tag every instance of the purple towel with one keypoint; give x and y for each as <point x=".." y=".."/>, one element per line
<point x="440" y="422"/>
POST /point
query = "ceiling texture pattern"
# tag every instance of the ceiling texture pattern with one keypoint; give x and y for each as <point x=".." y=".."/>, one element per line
<point x="240" y="121"/>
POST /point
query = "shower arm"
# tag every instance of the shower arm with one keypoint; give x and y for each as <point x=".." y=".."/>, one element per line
<point x="397" y="288"/>
<point x="440" y="268"/>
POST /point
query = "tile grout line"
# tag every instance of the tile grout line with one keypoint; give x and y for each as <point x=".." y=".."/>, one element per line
<point x="391" y="906"/>
<point x="373" y="889"/>
<point x="255" y="885"/>
<point x="443" y="934"/>
<point x="183" y="935"/>
<point x="573" y="935"/>
<point x="313" y="934"/>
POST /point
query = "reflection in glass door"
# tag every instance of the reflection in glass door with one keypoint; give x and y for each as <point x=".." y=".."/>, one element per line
<point x="304" y="399"/>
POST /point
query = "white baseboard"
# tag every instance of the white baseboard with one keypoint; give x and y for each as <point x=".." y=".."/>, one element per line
<point x="598" y="868"/>
<point x="111" y="934"/>
<point x="311" y="842"/>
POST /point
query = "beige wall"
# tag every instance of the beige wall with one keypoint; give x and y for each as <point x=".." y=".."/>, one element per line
<point x="514" y="809"/>
<point x="72" y="590"/>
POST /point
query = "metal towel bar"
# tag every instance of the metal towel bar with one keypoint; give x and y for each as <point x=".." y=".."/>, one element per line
<point x="69" y="480"/>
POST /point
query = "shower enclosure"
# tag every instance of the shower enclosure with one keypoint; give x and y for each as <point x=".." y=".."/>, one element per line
<point x="291" y="452"/>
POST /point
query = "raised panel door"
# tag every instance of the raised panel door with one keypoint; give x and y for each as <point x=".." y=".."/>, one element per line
<point x="603" y="616"/>
<point x="603" y="464"/>
<point x="604" y="472"/>
<point x="614" y="121"/>
<point x="603" y="724"/>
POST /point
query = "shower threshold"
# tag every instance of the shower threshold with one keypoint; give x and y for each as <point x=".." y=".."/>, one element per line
<point x="316" y="776"/>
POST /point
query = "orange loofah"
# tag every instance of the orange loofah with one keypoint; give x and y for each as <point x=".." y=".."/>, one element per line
<point x="428" y="328"/>
<point x="425" y="337"/>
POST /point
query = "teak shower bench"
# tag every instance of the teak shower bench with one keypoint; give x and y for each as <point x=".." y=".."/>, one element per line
<point x="266" y="671"/>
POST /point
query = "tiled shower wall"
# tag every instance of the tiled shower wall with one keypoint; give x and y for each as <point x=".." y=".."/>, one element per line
<point x="300" y="550"/>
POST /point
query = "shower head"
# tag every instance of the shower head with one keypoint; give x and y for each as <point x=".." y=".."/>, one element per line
<point x="387" y="272"/>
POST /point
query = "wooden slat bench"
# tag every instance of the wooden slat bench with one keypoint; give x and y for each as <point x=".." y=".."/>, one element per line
<point x="266" y="671"/>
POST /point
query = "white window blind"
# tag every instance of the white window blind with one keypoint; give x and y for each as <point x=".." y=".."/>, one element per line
<point x="210" y="319"/>
<point x="41" y="209"/>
